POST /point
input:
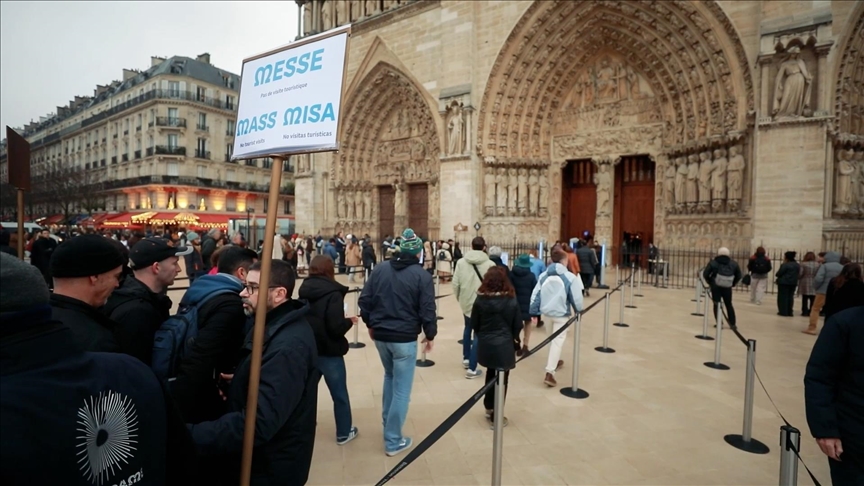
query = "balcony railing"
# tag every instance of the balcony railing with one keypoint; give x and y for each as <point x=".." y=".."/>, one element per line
<point x="125" y="158"/>
<point x="202" y="128"/>
<point x="202" y="154"/>
<point x="113" y="160"/>
<point x="173" y="122"/>
<point x="169" y="150"/>
<point x="137" y="154"/>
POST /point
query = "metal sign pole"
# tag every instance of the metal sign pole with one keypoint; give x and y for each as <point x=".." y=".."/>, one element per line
<point x="745" y="441"/>
<point x="790" y="441"/>
<point x="605" y="348"/>
<point x="704" y="336"/>
<point x="574" y="391"/>
<point x="716" y="364"/>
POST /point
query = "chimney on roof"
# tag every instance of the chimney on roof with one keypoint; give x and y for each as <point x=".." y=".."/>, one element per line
<point x="205" y="58"/>
<point x="129" y="73"/>
<point x="155" y="61"/>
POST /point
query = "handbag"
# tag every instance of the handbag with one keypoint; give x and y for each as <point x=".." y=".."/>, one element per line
<point x="746" y="279"/>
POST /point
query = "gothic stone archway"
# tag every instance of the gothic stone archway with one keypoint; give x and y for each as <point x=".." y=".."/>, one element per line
<point x="605" y="79"/>
<point x="390" y="155"/>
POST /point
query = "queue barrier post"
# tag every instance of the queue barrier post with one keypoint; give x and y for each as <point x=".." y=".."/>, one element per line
<point x="704" y="336"/>
<point x="632" y="278"/>
<point x="716" y="364"/>
<point x="790" y="442"/>
<point x="356" y="344"/>
<point x="605" y="348"/>
<point x="639" y="279"/>
<point x="574" y="391"/>
<point x="699" y="291"/>
<point x="498" y="429"/>
<point x="621" y="322"/>
<point x="745" y="441"/>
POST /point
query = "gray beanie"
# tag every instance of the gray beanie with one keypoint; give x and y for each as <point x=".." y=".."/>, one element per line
<point x="21" y="285"/>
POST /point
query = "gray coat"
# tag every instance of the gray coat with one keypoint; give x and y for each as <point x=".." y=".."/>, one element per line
<point x="830" y="269"/>
<point x="587" y="259"/>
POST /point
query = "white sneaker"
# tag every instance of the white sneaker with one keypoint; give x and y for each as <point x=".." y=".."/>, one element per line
<point x="471" y="374"/>
<point x="465" y="363"/>
<point x="351" y="436"/>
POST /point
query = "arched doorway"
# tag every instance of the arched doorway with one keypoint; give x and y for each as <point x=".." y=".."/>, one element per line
<point x="606" y="80"/>
<point x="386" y="175"/>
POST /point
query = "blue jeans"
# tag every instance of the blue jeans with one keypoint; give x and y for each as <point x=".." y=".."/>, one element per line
<point x="333" y="369"/>
<point x="469" y="346"/>
<point x="399" y="360"/>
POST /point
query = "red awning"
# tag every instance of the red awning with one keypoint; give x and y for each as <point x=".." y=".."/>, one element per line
<point x="55" y="219"/>
<point x="122" y="220"/>
<point x="95" y="219"/>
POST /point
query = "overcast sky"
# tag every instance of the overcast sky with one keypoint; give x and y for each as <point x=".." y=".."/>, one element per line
<point x="52" y="51"/>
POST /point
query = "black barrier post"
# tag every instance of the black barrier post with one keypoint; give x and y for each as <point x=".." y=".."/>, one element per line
<point x="621" y="322"/>
<point x="699" y="291"/>
<point x="605" y="348"/>
<point x="745" y="441"/>
<point x="704" y="336"/>
<point x="790" y="442"/>
<point x="632" y="278"/>
<point x="356" y="344"/>
<point x="574" y="391"/>
<point x="716" y="364"/>
<point x="498" y="429"/>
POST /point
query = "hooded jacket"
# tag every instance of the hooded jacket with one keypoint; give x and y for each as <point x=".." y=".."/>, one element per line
<point x="495" y="320"/>
<point x="465" y="279"/>
<point x="138" y="312"/>
<point x="398" y="301"/>
<point x="549" y="297"/>
<point x="714" y="266"/>
<point x="287" y="402"/>
<point x="830" y="269"/>
<point x="221" y="329"/>
<point x="524" y="282"/>
<point x="330" y="251"/>
<point x="327" y="314"/>
<point x="787" y="274"/>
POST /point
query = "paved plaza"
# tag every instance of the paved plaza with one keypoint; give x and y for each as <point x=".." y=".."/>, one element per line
<point x="655" y="415"/>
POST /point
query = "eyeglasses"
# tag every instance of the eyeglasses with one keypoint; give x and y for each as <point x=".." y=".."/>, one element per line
<point x="252" y="288"/>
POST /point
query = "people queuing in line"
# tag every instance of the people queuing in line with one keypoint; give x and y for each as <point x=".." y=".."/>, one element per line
<point x="209" y="244"/>
<point x="496" y="318"/>
<point x="557" y="293"/>
<point x="466" y="281"/>
<point x="722" y="274"/>
<point x="827" y="271"/>
<point x="353" y="259"/>
<point x="523" y="283"/>
<point x="368" y="257"/>
<point x="807" y="282"/>
<point x="339" y="244"/>
<point x="759" y="267"/>
<point x="330" y="324"/>
<point x="444" y="263"/>
<point x="40" y="255"/>
<point x="427" y="257"/>
<point x="787" y="280"/>
<point x="587" y="263"/>
<point x="845" y="290"/>
<point x="397" y="304"/>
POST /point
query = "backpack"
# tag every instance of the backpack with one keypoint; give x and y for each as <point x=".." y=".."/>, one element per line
<point x="176" y="335"/>
<point x="760" y="266"/>
<point x="442" y="255"/>
<point x="566" y="283"/>
<point x="725" y="276"/>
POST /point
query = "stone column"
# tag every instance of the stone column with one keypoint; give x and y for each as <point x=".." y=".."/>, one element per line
<point x="824" y="96"/>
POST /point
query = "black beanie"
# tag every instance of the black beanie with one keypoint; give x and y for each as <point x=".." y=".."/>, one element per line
<point x="84" y="256"/>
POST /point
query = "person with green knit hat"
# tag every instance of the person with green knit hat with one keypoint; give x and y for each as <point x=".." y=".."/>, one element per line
<point x="397" y="304"/>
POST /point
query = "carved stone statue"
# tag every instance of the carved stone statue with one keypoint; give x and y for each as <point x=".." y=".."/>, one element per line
<point x="307" y="18"/>
<point x="735" y="177"/>
<point x="371" y="7"/>
<point x="434" y="200"/>
<point x="603" y="180"/>
<point x="456" y="145"/>
<point x="543" y="193"/>
<point x="501" y="182"/>
<point x="511" y="192"/>
<point x="843" y="200"/>
<point x="399" y="198"/>
<point x="680" y="184"/>
<point x="522" y="192"/>
<point x="718" y="180"/>
<point x="356" y="9"/>
<point x="351" y="212"/>
<point x="705" y="166"/>
<point x="367" y="204"/>
<point x="669" y="187"/>
<point x="533" y="191"/>
<point x="326" y="15"/>
<point x="388" y="4"/>
<point x="341" y="16"/>
<point x="792" y="87"/>
<point x="692" y="182"/>
<point x="859" y="161"/>
<point x="489" y="182"/>
<point x="607" y="80"/>
<point x="341" y="205"/>
<point x="633" y="82"/>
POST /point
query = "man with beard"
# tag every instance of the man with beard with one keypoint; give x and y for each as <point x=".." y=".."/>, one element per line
<point x="288" y="396"/>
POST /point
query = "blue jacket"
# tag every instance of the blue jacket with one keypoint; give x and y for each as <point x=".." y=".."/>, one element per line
<point x="537" y="266"/>
<point x="330" y="251"/>
<point x="398" y="301"/>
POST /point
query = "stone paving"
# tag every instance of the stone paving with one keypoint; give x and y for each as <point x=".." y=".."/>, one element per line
<point x="656" y="415"/>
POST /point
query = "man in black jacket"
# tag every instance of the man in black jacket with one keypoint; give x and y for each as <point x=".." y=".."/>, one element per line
<point x="209" y="244"/>
<point x="722" y="273"/>
<point x="86" y="270"/>
<point x="40" y="254"/>
<point x="140" y="306"/>
<point x="397" y="303"/>
<point x="72" y="417"/>
<point x="288" y="394"/>
<point x="340" y="250"/>
<point x="834" y="395"/>
<point x="368" y="256"/>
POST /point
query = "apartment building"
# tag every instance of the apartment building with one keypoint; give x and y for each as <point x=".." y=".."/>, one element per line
<point x="151" y="147"/>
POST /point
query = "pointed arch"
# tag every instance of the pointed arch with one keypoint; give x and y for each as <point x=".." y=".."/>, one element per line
<point x="849" y="81"/>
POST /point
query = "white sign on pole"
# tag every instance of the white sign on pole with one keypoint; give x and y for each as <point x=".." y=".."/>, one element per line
<point x="290" y="98"/>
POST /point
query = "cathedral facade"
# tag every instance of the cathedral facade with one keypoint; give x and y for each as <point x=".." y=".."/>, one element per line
<point x="695" y="124"/>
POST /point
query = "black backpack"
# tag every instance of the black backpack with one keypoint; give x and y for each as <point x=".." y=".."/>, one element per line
<point x="760" y="266"/>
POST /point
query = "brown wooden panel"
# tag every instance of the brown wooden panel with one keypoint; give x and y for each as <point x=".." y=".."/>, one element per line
<point x="418" y="209"/>
<point x="634" y="202"/>
<point x="580" y="199"/>
<point x="386" y="211"/>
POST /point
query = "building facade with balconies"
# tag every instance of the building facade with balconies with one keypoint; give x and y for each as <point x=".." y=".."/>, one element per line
<point x="159" y="140"/>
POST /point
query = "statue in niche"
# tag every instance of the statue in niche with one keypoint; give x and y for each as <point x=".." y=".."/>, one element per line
<point x="501" y="182"/>
<point x="603" y="181"/>
<point x="356" y="9"/>
<point x="607" y="81"/>
<point x="351" y="212"/>
<point x="543" y="193"/>
<point x="859" y="161"/>
<point x="845" y="169"/>
<point x="587" y="81"/>
<point x="367" y="204"/>
<point x="792" y="87"/>
<point x="692" y="182"/>
<point x="489" y="182"/>
<point x="371" y="7"/>
<point x="705" y="167"/>
<point x="341" y="210"/>
<point x="633" y="81"/>
<point x="669" y="187"/>
<point x="307" y="18"/>
<point x="533" y="191"/>
<point x="341" y="16"/>
<point x="326" y="16"/>
<point x="735" y="177"/>
<point x="718" y="180"/>
<point x="522" y="191"/>
<point x="511" y="192"/>
<point x="455" y="145"/>
<point x="399" y="198"/>
<point x="681" y="185"/>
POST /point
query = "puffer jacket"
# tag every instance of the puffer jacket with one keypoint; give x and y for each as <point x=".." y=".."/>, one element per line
<point x="787" y="274"/>
<point x="495" y="320"/>
<point x="587" y="259"/>
<point x="830" y="269"/>
<point x="524" y="282"/>
<point x="465" y="279"/>
<point x="550" y="298"/>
